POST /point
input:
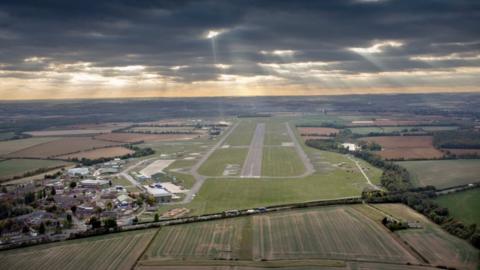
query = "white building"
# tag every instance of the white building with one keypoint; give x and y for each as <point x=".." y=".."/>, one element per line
<point x="83" y="171"/>
<point x="161" y="195"/>
<point x="90" y="183"/>
<point x="350" y="146"/>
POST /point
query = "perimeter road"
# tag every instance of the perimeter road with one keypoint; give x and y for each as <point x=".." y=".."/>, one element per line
<point x="364" y="174"/>
<point x="303" y="156"/>
<point x="252" y="167"/>
<point x="200" y="179"/>
<point x="127" y="176"/>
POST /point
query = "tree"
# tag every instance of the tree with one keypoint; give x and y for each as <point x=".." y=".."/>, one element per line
<point x="58" y="228"/>
<point x="41" y="229"/>
<point x="139" y="201"/>
<point x="475" y="240"/>
<point x="109" y="205"/>
<point x="110" y="223"/>
<point x="95" y="223"/>
<point x="69" y="218"/>
<point x="151" y="200"/>
<point x="29" y="198"/>
<point x="156" y="217"/>
<point x="73" y="184"/>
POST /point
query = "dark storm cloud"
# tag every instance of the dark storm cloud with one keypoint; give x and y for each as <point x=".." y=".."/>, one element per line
<point x="163" y="34"/>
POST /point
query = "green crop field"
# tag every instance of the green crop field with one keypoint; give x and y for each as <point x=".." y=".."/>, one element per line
<point x="333" y="233"/>
<point x="328" y="232"/>
<point x="243" y="133"/>
<point x="213" y="240"/>
<point x="436" y="245"/>
<point x="17" y="167"/>
<point x="6" y="135"/>
<point x="367" y="130"/>
<point x="218" y="161"/>
<point x="281" y="161"/>
<point x="443" y="173"/>
<point x="463" y="205"/>
<point x="7" y="147"/>
<point x="114" y="251"/>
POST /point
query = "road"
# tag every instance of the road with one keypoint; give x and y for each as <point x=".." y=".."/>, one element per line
<point x="303" y="156"/>
<point x="127" y="176"/>
<point x="363" y="172"/>
<point x="252" y="167"/>
<point x="200" y="179"/>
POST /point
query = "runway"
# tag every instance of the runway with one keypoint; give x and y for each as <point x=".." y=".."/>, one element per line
<point x="252" y="167"/>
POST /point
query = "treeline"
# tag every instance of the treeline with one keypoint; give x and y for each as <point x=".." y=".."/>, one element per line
<point x="32" y="173"/>
<point x="461" y="139"/>
<point x="139" y="152"/>
<point x="323" y="124"/>
<point x="254" y="115"/>
<point x="15" y="136"/>
<point x="398" y="182"/>
<point x="421" y="199"/>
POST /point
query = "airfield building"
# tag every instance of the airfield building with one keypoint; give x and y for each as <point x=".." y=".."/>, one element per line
<point x="160" y="194"/>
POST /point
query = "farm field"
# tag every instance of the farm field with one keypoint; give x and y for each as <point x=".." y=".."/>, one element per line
<point x="6" y="135"/>
<point x="325" y="233"/>
<point x="62" y="147"/>
<point x="139" y="137"/>
<point x="435" y="244"/>
<point x="217" y="163"/>
<point x="180" y="149"/>
<point x="67" y="132"/>
<point x="389" y="129"/>
<point x="114" y="251"/>
<point x="320" y="131"/>
<point x="391" y="122"/>
<point x="329" y="232"/>
<point x="443" y="173"/>
<point x="17" y="167"/>
<point x="40" y="176"/>
<point x="463" y="205"/>
<point x="405" y="147"/>
<point x="108" y="152"/>
<point x="205" y="240"/>
<point x="157" y="129"/>
<point x="462" y="152"/>
<point x="7" y="147"/>
<point x="281" y="161"/>
<point x="243" y="133"/>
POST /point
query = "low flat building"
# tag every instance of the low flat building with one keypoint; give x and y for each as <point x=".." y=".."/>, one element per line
<point x="350" y="146"/>
<point x="160" y="194"/>
<point x="83" y="171"/>
<point x="93" y="183"/>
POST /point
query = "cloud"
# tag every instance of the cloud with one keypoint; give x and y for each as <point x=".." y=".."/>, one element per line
<point x="115" y="46"/>
<point x="378" y="47"/>
<point x="279" y="52"/>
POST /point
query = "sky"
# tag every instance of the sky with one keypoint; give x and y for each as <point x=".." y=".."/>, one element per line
<point x="116" y="49"/>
